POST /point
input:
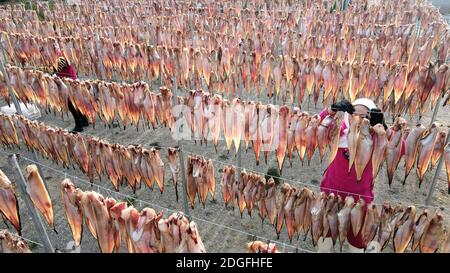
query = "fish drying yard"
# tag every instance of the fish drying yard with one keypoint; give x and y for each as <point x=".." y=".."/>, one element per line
<point x="227" y="72"/>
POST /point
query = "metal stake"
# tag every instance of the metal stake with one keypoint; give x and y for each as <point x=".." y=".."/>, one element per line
<point x="180" y="148"/>
<point x="436" y="175"/>
<point x="37" y="221"/>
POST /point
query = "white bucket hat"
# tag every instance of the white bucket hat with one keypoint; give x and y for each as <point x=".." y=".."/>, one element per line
<point x="365" y="102"/>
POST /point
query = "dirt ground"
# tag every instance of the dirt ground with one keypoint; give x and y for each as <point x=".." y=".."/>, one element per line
<point x="222" y="230"/>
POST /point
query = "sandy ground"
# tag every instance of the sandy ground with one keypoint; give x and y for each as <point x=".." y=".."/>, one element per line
<point x="222" y="230"/>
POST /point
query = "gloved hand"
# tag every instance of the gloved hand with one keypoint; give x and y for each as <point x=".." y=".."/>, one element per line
<point x="343" y="105"/>
<point x="376" y="116"/>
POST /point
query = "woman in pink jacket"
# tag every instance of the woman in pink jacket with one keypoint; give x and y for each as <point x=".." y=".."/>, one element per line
<point x="337" y="178"/>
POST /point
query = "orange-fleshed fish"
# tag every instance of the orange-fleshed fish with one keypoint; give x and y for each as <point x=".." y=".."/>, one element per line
<point x="371" y="224"/>
<point x="267" y="129"/>
<point x="243" y="180"/>
<point x="404" y="230"/>
<point x="439" y="87"/>
<point x="257" y="141"/>
<point x="271" y="201"/>
<point x="447" y="163"/>
<point x="260" y="198"/>
<point x="119" y="229"/>
<point x="399" y="83"/>
<point x="386" y="229"/>
<point x="96" y="211"/>
<point x="291" y="133"/>
<point x="300" y="134"/>
<point x="311" y="136"/>
<point x="289" y="213"/>
<point x="192" y="239"/>
<point x="38" y="194"/>
<point x="364" y="148"/>
<point x="380" y="143"/>
<point x="357" y="216"/>
<point x="352" y="139"/>
<point x="210" y="178"/>
<point x="302" y="207"/>
<point x="285" y="192"/>
<point x="191" y="186"/>
<point x="283" y="127"/>
<point x="317" y="214"/>
<point x="420" y="224"/>
<point x="157" y="167"/>
<point x="71" y="198"/>
<point x="425" y="150"/>
<point x="344" y="219"/>
<point x="238" y="122"/>
<point x="411" y="145"/>
<point x="228" y="185"/>
<point x="215" y="118"/>
<point x="322" y="135"/>
<point x="334" y="135"/>
<point x="330" y="220"/>
<point x="432" y="234"/>
<point x="174" y="167"/>
<point x="438" y="148"/>
<point x="9" y="207"/>
<point x="393" y="153"/>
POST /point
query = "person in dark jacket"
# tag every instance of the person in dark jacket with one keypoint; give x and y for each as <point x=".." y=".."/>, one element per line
<point x="63" y="70"/>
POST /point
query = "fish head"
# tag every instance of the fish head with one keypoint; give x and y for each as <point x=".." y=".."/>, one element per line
<point x="285" y="188"/>
<point x="110" y="202"/>
<point x="31" y="170"/>
<point x="116" y="210"/>
<point x="349" y="201"/>
<point x="284" y="111"/>
<point x="379" y="129"/>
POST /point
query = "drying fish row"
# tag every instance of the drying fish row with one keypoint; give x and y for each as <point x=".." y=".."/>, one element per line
<point x="11" y="243"/>
<point x="210" y="117"/>
<point x="91" y="155"/>
<point x="113" y="223"/>
<point x="284" y="131"/>
<point x="317" y="21"/>
<point x="200" y="179"/>
<point x="265" y="126"/>
<point x="380" y="13"/>
<point x="306" y="211"/>
<point x="109" y="221"/>
<point x="396" y="44"/>
<point x="411" y="86"/>
<point x="110" y="101"/>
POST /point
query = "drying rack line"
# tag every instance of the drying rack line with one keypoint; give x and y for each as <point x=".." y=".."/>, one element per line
<point x="308" y="184"/>
<point x="77" y="179"/>
<point x="264" y="174"/>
